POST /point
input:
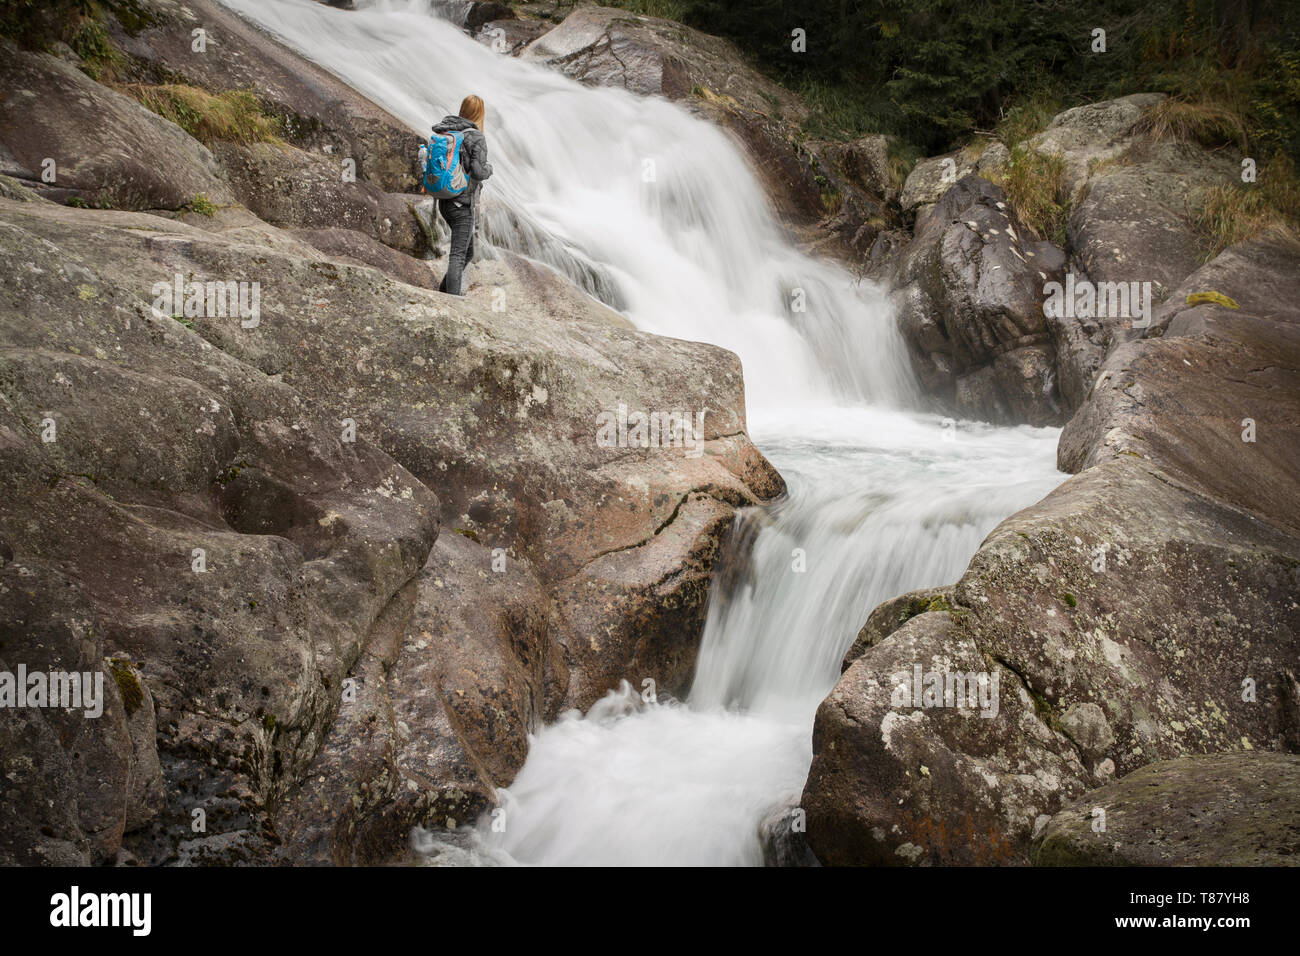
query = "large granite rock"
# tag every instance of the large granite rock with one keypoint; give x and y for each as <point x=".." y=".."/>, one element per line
<point x="1239" y="809"/>
<point x="294" y="189"/>
<point x="604" y="46"/>
<point x="931" y="177"/>
<point x="321" y="113"/>
<point x="442" y="705"/>
<point x="567" y="565"/>
<point x="1213" y="398"/>
<point x="106" y="149"/>
<point x="359" y="248"/>
<point x="1132" y="200"/>
<point x="970" y="302"/>
<point x="1089" y="135"/>
<point x="183" y="515"/>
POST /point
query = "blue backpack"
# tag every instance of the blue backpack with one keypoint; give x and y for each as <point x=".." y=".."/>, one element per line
<point x="444" y="173"/>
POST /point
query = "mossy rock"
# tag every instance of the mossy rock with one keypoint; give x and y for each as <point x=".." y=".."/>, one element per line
<point x="128" y="684"/>
<point x="1212" y="298"/>
<point x="893" y="614"/>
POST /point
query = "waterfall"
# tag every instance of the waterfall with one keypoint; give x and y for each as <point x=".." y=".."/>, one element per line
<point x="645" y="206"/>
<point x="657" y="213"/>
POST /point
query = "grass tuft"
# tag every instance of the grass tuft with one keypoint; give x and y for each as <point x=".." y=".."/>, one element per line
<point x="1028" y="117"/>
<point x="1180" y="121"/>
<point x="235" y="116"/>
<point x="202" y="205"/>
<point x="1035" y="185"/>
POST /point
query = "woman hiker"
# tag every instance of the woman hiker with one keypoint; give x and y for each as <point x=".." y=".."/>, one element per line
<point x="459" y="211"/>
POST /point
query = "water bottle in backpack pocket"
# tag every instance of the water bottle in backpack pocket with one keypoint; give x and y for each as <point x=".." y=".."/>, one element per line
<point x="443" y="166"/>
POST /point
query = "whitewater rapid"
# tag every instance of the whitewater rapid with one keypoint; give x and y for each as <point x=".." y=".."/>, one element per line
<point x="658" y="214"/>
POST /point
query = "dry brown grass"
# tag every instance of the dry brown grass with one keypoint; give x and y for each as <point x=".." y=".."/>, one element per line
<point x="1179" y="121"/>
<point x="1269" y="207"/>
<point x="1035" y="185"/>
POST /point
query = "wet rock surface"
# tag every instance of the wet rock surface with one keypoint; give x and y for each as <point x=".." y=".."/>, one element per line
<point x="970" y="307"/>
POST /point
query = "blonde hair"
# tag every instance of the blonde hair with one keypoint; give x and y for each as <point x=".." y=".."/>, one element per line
<point x="471" y="108"/>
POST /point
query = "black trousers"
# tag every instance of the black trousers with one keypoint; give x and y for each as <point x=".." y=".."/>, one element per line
<point x="460" y="217"/>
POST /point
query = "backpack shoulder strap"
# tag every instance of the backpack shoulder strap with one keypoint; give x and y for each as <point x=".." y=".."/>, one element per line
<point x="457" y="139"/>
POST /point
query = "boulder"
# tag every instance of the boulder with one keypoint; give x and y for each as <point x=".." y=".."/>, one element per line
<point x="470" y="15"/>
<point x="902" y="785"/>
<point x="930" y="178"/>
<point x="70" y="791"/>
<point x="510" y="36"/>
<point x="1092" y="134"/>
<point x="1214" y="398"/>
<point x="227" y="545"/>
<point x="970" y="303"/>
<point x="1132" y="219"/>
<point x="890" y="615"/>
<point x="1238" y="809"/>
<point x="1099" y="672"/>
<point x="1132" y="201"/>
<point x="607" y="550"/>
<point x="325" y="671"/>
<point x="106" y="149"/>
<point x="856" y="189"/>
<point x="1143" y="611"/>
<point x="604" y="46"/>
<point x="294" y="189"/>
<point x="444" y="700"/>
<point x="511" y="278"/>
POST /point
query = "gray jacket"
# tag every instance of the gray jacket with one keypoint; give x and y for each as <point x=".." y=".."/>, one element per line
<point x="475" y="155"/>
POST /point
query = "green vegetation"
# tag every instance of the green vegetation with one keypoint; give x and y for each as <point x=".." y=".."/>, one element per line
<point x="128" y="685"/>
<point x="202" y="205"/>
<point x="1226" y="215"/>
<point x="1210" y="124"/>
<point x="936" y="75"/>
<point x="81" y="24"/>
<point x="1029" y="116"/>
<point x="234" y="116"/>
<point x="1035" y="184"/>
<point x="677" y="10"/>
<point x="920" y="605"/>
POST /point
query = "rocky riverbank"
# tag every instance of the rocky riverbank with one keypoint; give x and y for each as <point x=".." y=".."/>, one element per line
<point x="1145" y="611"/>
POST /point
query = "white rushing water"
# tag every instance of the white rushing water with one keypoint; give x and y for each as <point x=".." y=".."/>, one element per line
<point x="882" y="499"/>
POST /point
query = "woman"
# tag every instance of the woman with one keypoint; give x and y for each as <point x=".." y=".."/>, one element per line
<point x="459" y="212"/>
